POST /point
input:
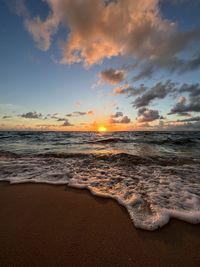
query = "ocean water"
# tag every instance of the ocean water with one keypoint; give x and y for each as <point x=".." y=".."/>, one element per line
<point x="154" y="175"/>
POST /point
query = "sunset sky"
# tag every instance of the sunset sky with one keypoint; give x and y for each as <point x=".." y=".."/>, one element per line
<point x="81" y="64"/>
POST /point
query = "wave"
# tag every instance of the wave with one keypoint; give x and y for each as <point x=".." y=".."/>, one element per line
<point x="123" y="159"/>
<point x="170" y="142"/>
<point x="109" y="140"/>
<point x="8" y="154"/>
<point x="181" y="142"/>
<point x="153" y="189"/>
<point x="150" y="141"/>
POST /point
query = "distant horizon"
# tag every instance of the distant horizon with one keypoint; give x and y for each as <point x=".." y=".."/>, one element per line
<point x="93" y="131"/>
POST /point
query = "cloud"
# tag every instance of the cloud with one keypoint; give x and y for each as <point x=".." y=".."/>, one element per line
<point x="46" y="126"/>
<point x="61" y="119"/>
<point x="80" y="113"/>
<point x="171" y="64"/>
<point x="78" y="103"/>
<point x="122" y="120"/>
<point x="43" y="31"/>
<point x="69" y="115"/>
<point x="112" y="76"/>
<point x="192" y="119"/>
<point x="90" y="112"/>
<point x="146" y="71"/>
<point x="117" y="114"/>
<point x="31" y="115"/>
<point x="182" y="100"/>
<point x="66" y="123"/>
<point x="148" y="115"/>
<point x="19" y="7"/>
<point x="184" y="114"/>
<point x="159" y="91"/>
<point x="98" y="30"/>
<point x="53" y="116"/>
<point x="178" y="126"/>
<point x="123" y="89"/>
<point x="118" y="118"/>
<point x="128" y="90"/>
<point x="190" y="65"/>
<point x="6" y="117"/>
<point x="193" y="104"/>
<point x="170" y="126"/>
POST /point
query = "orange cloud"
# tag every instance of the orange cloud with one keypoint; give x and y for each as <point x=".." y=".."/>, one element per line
<point x="99" y="30"/>
<point x="112" y="76"/>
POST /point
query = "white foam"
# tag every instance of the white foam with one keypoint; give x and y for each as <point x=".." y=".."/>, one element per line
<point x="152" y="194"/>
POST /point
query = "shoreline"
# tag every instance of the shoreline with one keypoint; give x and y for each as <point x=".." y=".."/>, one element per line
<point x="52" y="225"/>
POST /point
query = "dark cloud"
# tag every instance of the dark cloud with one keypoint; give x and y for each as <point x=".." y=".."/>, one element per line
<point x="66" y="123"/>
<point x="129" y="90"/>
<point x="171" y="126"/>
<point x="148" y="115"/>
<point x="176" y="43"/>
<point x="144" y="126"/>
<point x="61" y="119"/>
<point x="112" y="76"/>
<point x="31" y="115"/>
<point x="117" y="114"/>
<point x="184" y="114"/>
<point x="193" y="103"/>
<point x="190" y="65"/>
<point x="180" y="126"/>
<point x="192" y="119"/>
<point x="171" y="64"/>
<point x="6" y="117"/>
<point x="69" y="115"/>
<point x="192" y="89"/>
<point x="159" y="91"/>
<point x="162" y="90"/>
<point x="146" y="71"/>
<point x="122" y="120"/>
<point x="107" y="2"/>
<point x="193" y="126"/>
<point x="53" y="116"/>
<point x="125" y="119"/>
<point x="80" y="113"/>
<point x="119" y="117"/>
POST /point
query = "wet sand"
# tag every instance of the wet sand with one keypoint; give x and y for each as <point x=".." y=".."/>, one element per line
<point x="44" y="225"/>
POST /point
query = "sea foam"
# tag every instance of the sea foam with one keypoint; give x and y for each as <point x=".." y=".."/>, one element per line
<point x="153" y="190"/>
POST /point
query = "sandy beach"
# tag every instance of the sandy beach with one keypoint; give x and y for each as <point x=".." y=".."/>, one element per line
<point x="44" y="225"/>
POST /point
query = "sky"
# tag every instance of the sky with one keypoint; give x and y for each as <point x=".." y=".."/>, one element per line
<point x="77" y="65"/>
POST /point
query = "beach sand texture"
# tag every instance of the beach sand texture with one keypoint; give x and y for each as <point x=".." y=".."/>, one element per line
<point x="45" y="225"/>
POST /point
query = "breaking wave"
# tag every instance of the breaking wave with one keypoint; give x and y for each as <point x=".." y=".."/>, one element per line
<point x="153" y="189"/>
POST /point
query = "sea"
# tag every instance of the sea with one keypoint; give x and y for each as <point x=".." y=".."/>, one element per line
<point x="154" y="175"/>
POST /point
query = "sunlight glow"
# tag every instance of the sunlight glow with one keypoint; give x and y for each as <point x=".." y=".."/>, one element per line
<point x="102" y="128"/>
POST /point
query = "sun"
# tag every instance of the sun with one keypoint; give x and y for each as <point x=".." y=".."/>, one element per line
<point x="102" y="129"/>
